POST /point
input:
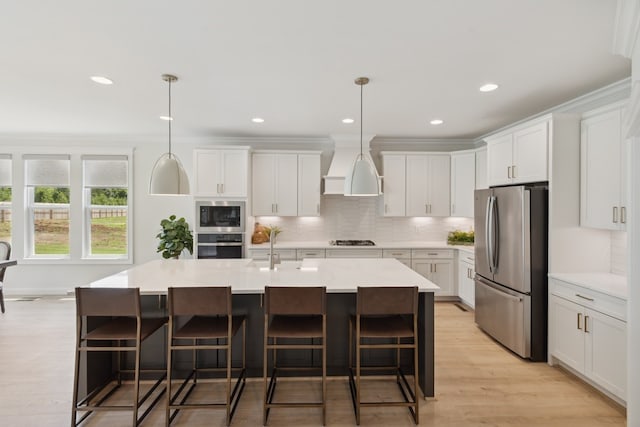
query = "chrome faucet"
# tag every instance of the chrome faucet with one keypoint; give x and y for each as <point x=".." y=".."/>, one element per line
<point x="273" y="258"/>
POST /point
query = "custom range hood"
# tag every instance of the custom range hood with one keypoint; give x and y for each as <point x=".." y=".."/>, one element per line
<point x="347" y="150"/>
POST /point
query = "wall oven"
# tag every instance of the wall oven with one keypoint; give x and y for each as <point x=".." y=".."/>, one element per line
<point x="214" y="216"/>
<point x="220" y="229"/>
<point x="219" y="245"/>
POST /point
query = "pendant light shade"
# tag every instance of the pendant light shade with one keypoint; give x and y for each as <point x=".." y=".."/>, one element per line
<point x="168" y="176"/>
<point x="362" y="179"/>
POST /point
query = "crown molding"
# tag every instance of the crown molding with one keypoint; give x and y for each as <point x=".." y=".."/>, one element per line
<point x="626" y="28"/>
<point x="614" y="92"/>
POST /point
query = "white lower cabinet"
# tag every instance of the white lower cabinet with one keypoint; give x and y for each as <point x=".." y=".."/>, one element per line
<point x="437" y="266"/>
<point x="402" y="255"/>
<point x="263" y="254"/>
<point x="310" y="253"/>
<point x="354" y="253"/>
<point x="466" y="285"/>
<point x="590" y="342"/>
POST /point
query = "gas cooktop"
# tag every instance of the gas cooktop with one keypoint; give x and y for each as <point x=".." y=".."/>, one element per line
<point x="352" y="243"/>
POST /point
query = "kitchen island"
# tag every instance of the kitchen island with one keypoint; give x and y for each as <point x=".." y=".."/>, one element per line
<point x="248" y="278"/>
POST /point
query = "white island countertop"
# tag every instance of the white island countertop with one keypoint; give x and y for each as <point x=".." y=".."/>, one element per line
<point x="246" y="276"/>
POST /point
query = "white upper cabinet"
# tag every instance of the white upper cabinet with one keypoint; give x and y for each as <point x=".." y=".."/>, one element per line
<point x="221" y="172"/>
<point x="309" y="185"/>
<point x="518" y="157"/>
<point x="416" y="184"/>
<point x="285" y="184"/>
<point x="481" y="168"/>
<point x="394" y="194"/>
<point x="275" y="184"/>
<point x="602" y="171"/>
<point x="463" y="174"/>
<point x="428" y="185"/>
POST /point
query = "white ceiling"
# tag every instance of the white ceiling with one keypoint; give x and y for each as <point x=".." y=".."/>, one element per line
<point x="293" y="63"/>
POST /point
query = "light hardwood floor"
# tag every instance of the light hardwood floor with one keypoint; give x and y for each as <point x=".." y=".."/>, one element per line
<point x="478" y="383"/>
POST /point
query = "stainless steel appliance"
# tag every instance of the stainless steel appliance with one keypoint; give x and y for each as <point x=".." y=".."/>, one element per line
<point x="214" y="216"/>
<point x="511" y="267"/>
<point x="219" y="245"/>
<point x="351" y="243"/>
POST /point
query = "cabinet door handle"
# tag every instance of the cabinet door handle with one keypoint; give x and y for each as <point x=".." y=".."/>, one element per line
<point x="615" y="214"/>
<point x="218" y="188"/>
<point x="276" y="208"/>
<point x="513" y="171"/>
<point x="586" y="324"/>
<point x="623" y="215"/>
<point x="318" y="207"/>
<point x="222" y="187"/>
<point x="583" y="297"/>
<point x="579" y="320"/>
<point x="273" y="207"/>
<point x="509" y="172"/>
<point x="426" y="208"/>
<point x="429" y="207"/>
<point x="435" y="268"/>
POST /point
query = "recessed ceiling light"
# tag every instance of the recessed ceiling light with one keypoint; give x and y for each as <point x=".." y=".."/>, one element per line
<point x="347" y="121"/>
<point x="436" y="122"/>
<point x="102" y="80"/>
<point x="488" y="87"/>
<point x="257" y="120"/>
<point x="167" y="118"/>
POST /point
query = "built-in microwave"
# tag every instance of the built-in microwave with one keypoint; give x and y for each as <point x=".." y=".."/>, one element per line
<point x="214" y="216"/>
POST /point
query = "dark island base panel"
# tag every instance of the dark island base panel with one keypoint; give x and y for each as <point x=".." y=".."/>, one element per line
<point x="339" y="305"/>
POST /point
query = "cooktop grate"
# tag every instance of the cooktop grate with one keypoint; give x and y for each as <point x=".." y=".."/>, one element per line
<point x="352" y="243"/>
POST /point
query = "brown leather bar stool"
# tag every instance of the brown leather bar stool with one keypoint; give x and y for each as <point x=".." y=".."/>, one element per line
<point x="122" y="331"/>
<point x="386" y="318"/>
<point x="294" y="314"/>
<point x="197" y="316"/>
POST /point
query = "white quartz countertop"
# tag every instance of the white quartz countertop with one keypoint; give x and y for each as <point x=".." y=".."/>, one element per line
<point x="379" y="245"/>
<point x="607" y="283"/>
<point x="246" y="276"/>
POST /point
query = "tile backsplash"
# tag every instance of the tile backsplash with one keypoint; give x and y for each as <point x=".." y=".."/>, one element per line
<point x="359" y="218"/>
<point x="619" y="252"/>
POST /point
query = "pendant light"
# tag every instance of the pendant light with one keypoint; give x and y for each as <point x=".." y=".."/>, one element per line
<point x="362" y="179"/>
<point x="168" y="175"/>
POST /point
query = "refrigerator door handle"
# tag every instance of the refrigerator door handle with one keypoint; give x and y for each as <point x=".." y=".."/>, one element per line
<point x="488" y="233"/>
<point x="491" y="234"/>
<point x="495" y="245"/>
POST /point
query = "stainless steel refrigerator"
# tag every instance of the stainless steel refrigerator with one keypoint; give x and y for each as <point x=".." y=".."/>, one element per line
<point x="511" y="267"/>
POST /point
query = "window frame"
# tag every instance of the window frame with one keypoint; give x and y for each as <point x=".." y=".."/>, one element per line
<point x="87" y="206"/>
<point x="20" y="202"/>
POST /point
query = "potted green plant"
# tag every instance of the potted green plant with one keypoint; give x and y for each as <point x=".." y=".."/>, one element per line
<point x="175" y="237"/>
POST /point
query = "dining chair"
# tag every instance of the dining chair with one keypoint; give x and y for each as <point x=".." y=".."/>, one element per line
<point x="5" y="254"/>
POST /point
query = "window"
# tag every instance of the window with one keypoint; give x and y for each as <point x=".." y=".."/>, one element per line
<point x="47" y="182"/>
<point x="5" y="198"/>
<point x="106" y="201"/>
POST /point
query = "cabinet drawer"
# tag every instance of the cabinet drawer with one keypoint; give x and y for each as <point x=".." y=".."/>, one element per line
<point x="354" y="253"/>
<point x="607" y="304"/>
<point x="396" y="253"/>
<point x="431" y="253"/>
<point x="310" y="253"/>
<point x="263" y="254"/>
<point x="467" y="258"/>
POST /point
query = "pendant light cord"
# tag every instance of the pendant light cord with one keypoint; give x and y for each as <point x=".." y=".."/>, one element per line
<point x="361" y="155"/>
<point x="170" y="118"/>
